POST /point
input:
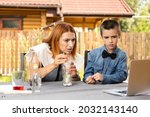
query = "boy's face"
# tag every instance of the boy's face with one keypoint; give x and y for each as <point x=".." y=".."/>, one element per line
<point x="110" y="38"/>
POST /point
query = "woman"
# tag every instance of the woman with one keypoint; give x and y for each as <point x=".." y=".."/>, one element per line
<point x="57" y="49"/>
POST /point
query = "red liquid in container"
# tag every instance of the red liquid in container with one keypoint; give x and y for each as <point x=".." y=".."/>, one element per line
<point x="18" y="87"/>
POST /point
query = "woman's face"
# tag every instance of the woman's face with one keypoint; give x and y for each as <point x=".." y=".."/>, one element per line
<point x="67" y="42"/>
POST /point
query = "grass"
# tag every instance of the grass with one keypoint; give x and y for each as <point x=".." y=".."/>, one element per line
<point x="5" y="78"/>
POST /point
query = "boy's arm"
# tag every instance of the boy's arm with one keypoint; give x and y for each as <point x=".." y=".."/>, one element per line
<point x="89" y="71"/>
<point x="120" y="75"/>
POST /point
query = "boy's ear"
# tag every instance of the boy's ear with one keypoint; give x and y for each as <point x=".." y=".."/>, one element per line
<point x="119" y="34"/>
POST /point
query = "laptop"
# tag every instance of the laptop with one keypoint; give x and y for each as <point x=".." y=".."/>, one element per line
<point x="138" y="80"/>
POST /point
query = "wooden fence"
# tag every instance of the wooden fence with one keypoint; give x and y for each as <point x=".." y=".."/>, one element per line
<point x="12" y="43"/>
<point x="136" y="45"/>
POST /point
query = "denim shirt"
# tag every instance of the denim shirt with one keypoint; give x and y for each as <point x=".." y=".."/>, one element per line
<point x="112" y="70"/>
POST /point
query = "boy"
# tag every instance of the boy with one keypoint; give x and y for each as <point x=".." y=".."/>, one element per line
<point x="107" y="64"/>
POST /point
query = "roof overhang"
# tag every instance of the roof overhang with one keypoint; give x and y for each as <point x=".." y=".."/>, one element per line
<point x="30" y="3"/>
<point x="101" y="8"/>
<point x="99" y="15"/>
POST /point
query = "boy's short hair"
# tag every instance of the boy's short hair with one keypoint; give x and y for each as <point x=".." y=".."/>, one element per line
<point x="109" y="24"/>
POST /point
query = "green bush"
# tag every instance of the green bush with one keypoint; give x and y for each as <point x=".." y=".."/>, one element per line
<point x="5" y="78"/>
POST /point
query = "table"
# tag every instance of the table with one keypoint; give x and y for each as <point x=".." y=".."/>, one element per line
<point x="78" y="91"/>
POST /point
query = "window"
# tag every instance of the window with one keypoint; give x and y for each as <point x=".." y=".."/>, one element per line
<point x="11" y="23"/>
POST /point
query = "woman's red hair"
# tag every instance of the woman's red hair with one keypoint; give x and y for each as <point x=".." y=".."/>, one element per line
<point x="53" y="38"/>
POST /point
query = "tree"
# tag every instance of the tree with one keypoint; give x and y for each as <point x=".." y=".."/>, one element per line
<point x="142" y="23"/>
<point x="133" y="4"/>
<point x="137" y="24"/>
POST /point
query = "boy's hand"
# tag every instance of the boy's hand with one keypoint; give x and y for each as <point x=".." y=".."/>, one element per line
<point x="90" y="80"/>
<point x="97" y="77"/>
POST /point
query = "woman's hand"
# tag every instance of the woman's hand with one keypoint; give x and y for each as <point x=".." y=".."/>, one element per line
<point x="73" y="72"/>
<point x="60" y="59"/>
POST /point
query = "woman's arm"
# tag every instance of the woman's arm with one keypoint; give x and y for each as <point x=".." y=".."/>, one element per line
<point x="43" y="71"/>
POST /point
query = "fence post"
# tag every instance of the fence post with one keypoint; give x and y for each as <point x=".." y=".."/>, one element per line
<point x="22" y="60"/>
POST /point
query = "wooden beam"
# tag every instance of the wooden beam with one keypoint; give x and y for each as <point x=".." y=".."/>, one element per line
<point x="43" y="18"/>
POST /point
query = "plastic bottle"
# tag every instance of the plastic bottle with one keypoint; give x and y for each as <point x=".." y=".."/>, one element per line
<point x="35" y="80"/>
<point x="67" y="81"/>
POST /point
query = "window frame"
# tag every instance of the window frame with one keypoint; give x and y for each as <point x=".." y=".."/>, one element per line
<point x="19" y="20"/>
